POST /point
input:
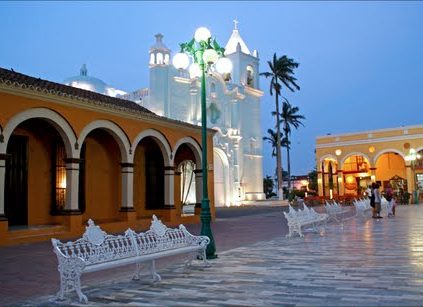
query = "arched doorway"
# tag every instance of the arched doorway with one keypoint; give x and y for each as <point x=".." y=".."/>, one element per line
<point x="35" y="181"/>
<point x="185" y="164"/>
<point x="357" y="175"/>
<point x="221" y="179"/>
<point x="100" y="176"/>
<point x="330" y="183"/>
<point x="149" y="183"/>
<point x="390" y="168"/>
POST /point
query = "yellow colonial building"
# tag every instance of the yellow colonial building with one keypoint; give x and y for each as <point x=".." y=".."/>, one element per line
<point x="68" y="155"/>
<point x="348" y="163"/>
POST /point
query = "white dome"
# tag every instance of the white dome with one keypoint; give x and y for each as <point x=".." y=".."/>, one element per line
<point x="85" y="82"/>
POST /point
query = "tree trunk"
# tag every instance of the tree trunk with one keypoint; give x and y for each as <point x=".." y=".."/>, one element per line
<point x="278" y="149"/>
<point x="289" y="165"/>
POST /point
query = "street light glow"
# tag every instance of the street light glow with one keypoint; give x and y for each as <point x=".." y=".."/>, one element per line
<point x="224" y="66"/>
<point x="210" y="56"/>
<point x="194" y="71"/>
<point x="181" y="60"/>
<point x="202" y="34"/>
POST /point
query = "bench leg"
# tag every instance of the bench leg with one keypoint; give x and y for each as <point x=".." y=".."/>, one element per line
<point x="289" y="235"/>
<point x="204" y="256"/>
<point x="299" y="231"/>
<point x="156" y="277"/>
<point x="70" y="279"/>
<point x="137" y="273"/>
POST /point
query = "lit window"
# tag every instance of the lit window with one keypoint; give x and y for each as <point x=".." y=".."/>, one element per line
<point x="250" y="76"/>
<point x="60" y="176"/>
<point x="159" y="58"/>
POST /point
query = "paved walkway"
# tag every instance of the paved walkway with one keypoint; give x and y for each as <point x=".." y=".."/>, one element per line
<point x="364" y="263"/>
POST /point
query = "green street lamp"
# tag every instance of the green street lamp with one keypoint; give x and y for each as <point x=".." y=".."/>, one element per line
<point x="206" y="54"/>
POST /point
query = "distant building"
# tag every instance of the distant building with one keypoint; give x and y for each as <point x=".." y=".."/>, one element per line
<point x="348" y="163"/>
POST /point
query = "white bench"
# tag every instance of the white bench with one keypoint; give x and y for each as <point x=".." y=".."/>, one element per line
<point x="97" y="250"/>
<point x="362" y="207"/>
<point x="335" y="211"/>
<point x="307" y="217"/>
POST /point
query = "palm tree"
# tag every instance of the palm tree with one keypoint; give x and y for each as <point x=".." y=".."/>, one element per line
<point x="281" y="70"/>
<point x="272" y="140"/>
<point x="290" y="118"/>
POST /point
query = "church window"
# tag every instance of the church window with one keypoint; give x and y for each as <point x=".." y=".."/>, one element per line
<point x="152" y="58"/>
<point x="250" y="76"/>
<point x="253" y="146"/>
<point x="159" y="58"/>
<point x="227" y="77"/>
<point x="213" y="89"/>
<point x="166" y="59"/>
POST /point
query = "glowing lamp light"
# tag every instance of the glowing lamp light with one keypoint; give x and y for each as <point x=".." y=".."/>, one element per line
<point x="210" y="56"/>
<point x="338" y="152"/>
<point x="62" y="183"/>
<point x="202" y="34"/>
<point x="181" y="60"/>
<point x="372" y="149"/>
<point x="224" y="66"/>
<point x="349" y="179"/>
<point x="194" y="70"/>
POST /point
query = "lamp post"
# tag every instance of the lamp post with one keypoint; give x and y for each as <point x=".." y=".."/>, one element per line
<point x="412" y="157"/>
<point x="205" y="53"/>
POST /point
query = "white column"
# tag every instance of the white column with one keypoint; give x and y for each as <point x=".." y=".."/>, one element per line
<point x="2" y="182"/>
<point x="169" y="174"/>
<point x="127" y="186"/>
<point x="72" y="185"/>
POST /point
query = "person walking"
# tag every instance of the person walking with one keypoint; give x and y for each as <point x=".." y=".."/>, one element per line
<point x="389" y="195"/>
<point x="378" y="200"/>
<point x="372" y="200"/>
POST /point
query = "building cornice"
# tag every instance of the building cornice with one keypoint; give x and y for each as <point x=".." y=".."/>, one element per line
<point x="371" y="141"/>
<point x="398" y="129"/>
<point x="253" y="91"/>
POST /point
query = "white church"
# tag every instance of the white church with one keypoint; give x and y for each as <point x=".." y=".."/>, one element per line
<point x="233" y="111"/>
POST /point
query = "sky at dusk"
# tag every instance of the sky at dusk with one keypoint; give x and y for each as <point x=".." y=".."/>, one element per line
<point x="361" y="63"/>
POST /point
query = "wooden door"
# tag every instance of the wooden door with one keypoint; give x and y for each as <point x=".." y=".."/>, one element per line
<point x="16" y="185"/>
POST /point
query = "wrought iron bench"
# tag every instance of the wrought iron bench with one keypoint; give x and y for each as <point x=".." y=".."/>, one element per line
<point x="300" y="218"/>
<point x="335" y="211"/>
<point x="97" y="250"/>
<point x="362" y="207"/>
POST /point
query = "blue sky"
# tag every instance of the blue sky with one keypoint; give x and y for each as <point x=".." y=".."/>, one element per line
<point x="360" y="62"/>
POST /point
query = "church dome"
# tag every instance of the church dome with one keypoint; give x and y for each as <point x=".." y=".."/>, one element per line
<point x="159" y="45"/>
<point x="89" y="83"/>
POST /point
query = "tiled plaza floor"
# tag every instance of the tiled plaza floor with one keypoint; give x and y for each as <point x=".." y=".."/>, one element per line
<point x="364" y="263"/>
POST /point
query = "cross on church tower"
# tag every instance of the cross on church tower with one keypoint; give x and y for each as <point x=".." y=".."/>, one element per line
<point x="236" y="24"/>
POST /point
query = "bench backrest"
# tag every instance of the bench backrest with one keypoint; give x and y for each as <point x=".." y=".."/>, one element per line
<point x="96" y="246"/>
<point x="160" y="238"/>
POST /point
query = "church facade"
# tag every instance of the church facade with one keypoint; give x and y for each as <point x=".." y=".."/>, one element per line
<point x="233" y="111"/>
